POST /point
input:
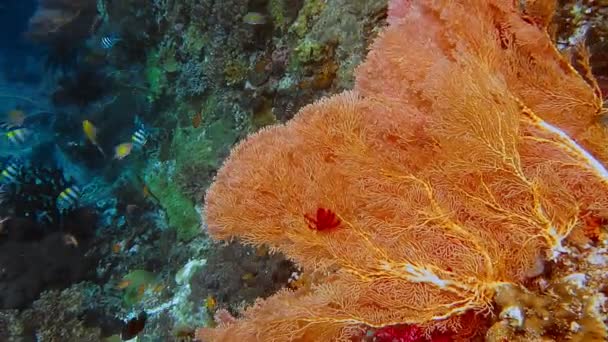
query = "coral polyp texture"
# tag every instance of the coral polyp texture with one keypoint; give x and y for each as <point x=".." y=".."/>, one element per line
<point x="466" y="160"/>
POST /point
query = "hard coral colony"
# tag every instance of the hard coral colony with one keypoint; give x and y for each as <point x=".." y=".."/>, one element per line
<point x="459" y="167"/>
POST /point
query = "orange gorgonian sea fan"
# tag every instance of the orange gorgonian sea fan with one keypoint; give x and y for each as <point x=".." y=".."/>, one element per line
<point x="464" y="156"/>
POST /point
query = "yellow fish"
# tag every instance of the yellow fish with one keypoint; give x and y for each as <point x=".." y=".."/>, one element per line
<point x="255" y="18"/>
<point x="123" y="150"/>
<point x="90" y="131"/>
<point x="248" y="276"/>
<point x="210" y="303"/>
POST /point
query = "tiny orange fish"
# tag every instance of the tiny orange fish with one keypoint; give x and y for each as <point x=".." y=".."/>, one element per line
<point x="140" y="290"/>
<point x="117" y="247"/>
<point x="146" y="191"/>
<point x="197" y="119"/>
<point x="123" y="284"/>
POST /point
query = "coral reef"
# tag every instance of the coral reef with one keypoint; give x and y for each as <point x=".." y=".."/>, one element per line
<point x="40" y="321"/>
<point x="254" y="273"/>
<point x="34" y="251"/>
<point x="459" y="167"/>
<point x="585" y="22"/>
<point x="199" y="75"/>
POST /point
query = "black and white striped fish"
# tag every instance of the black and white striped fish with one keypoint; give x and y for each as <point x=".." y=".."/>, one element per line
<point x="139" y="138"/>
<point x="108" y="42"/>
<point x="68" y="198"/>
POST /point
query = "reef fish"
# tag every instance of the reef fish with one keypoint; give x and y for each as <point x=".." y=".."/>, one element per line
<point x="108" y="42"/>
<point x="139" y="138"/>
<point x="210" y="303"/>
<point x="123" y="150"/>
<point x="90" y="131"/>
<point x="70" y="240"/>
<point x="18" y="136"/>
<point x="11" y="173"/>
<point x="255" y="18"/>
<point x="69" y="197"/>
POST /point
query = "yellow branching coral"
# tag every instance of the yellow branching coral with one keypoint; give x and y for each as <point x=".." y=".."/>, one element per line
<point x="464" y="155"/>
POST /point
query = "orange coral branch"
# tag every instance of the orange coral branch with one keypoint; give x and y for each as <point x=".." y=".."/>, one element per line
<point x="465" y="155"/>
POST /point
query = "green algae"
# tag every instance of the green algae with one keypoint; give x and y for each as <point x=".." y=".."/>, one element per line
<point x="180" y="210"/>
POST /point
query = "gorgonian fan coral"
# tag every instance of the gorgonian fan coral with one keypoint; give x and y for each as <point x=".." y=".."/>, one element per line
<point x="462" y="160"/>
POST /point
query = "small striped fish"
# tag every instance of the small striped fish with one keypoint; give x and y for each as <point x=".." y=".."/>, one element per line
<point x="11" y="173"/>
<point x="18" y="136"/>
<point x="139" y="138"/>
<point x="108" y="42"/>
<point x="68" y="198"/>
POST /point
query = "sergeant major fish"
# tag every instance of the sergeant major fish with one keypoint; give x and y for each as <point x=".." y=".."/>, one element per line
<point x="11" y="173"/>
<point x="139" y="138"/>
<point x="68" y="198"/>
<point x="18" y="136"/>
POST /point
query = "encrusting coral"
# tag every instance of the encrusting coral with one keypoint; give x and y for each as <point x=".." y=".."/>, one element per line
<point x="460" y="165"/>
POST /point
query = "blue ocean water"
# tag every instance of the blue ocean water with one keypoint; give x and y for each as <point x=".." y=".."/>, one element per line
<point x="15" y="49"/>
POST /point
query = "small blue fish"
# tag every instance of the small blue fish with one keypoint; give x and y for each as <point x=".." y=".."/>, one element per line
<point x="18" y="136"/>
<point x="68" y="198"/>
<point x="11" y="173"/>
<point x="139" y="138"/>
<point x="108" y="42"/>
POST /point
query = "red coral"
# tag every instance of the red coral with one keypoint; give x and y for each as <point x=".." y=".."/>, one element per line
<point x="399" y="333"/>
<point x="324" y="220"/>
